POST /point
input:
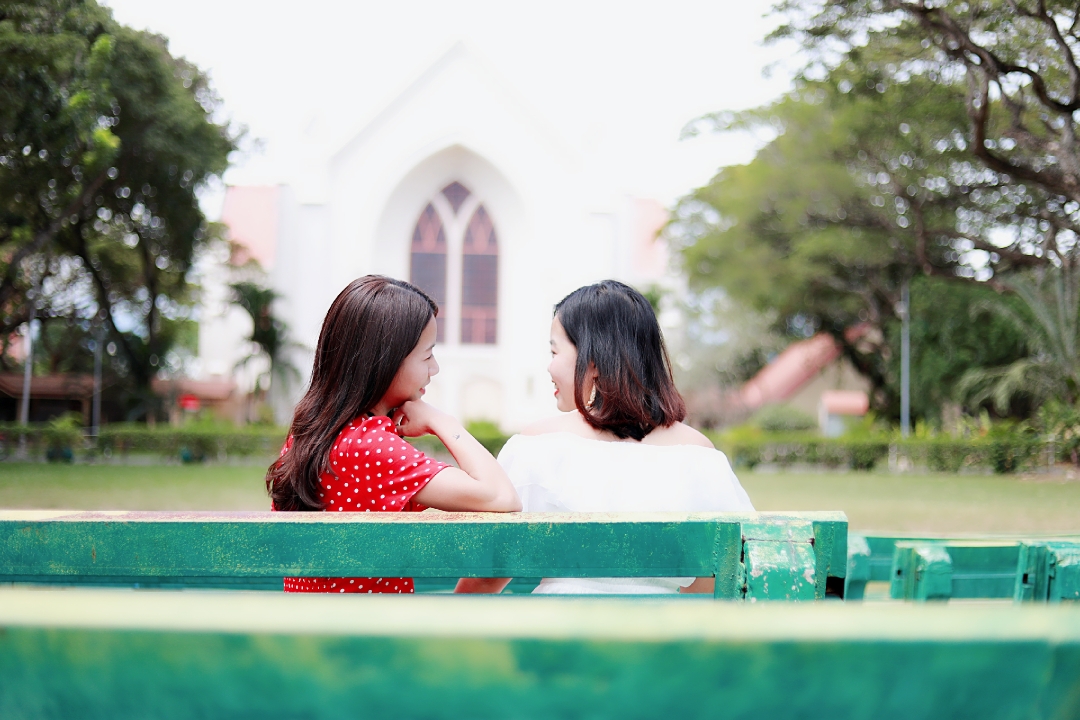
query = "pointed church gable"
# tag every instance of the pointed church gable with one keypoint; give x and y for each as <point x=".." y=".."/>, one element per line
<point x="463" y="96"/>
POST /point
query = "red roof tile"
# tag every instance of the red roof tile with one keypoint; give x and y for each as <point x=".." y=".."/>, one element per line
<point x="845" y="402"/>
<point x="789" y="371"/>
<point x="48" y="387"/>
<point x="211" y="390"/>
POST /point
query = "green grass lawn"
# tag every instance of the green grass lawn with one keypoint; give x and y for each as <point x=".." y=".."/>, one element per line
<point x="133" y="487"/>
<point x="913" y="503"/>
<point x="927" y="503"/>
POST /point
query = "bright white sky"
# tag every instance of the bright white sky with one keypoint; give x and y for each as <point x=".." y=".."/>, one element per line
<point x="618" y="80"/>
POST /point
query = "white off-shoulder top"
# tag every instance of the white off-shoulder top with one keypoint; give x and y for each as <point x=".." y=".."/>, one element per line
<point x="564" y="472"/>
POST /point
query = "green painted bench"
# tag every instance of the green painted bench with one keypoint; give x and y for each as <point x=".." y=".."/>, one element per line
<point x="1048" y="570"/>
<point x="756" y="556"/>
<point x="107" y="653"/>
<point x="1023" y="569"/>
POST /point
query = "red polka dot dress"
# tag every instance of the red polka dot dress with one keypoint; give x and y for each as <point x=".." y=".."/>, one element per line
<point x="372" y="470"/>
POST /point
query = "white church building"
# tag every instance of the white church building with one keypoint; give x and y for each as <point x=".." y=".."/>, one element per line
<point x="459" y="186"/>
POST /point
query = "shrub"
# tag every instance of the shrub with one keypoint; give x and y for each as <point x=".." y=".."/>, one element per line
<point x="782" y="419"/>
<point x="488" y="434"/>
<point x="63" y="438"/>
<point x="192" y="443"/>
<point x="1060" y="424"/>
<point x="948" y="455"/>
<point x="746" y="449"/>
<point x="1005" y="453"/>
<point x="865" y="455"/>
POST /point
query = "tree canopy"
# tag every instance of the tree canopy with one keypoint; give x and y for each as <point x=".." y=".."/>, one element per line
<point x="935" y="140"/>
<point x="105" y="140"/>
<point x="1009" y="70"/>
<point x="955" y="328"/>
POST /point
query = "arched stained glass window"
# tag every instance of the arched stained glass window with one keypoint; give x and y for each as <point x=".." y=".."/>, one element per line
<point x="456" y="194"/>
<point x="427" y="266"/>
<point x="479" y="280"/>
<point x="454" y="228"/>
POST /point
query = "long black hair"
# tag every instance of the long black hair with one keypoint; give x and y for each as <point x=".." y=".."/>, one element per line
<point x="615" y="331"/>
<point x="370" y="329"/>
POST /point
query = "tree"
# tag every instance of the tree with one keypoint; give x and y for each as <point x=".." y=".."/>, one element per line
<point x="813" y="230"/>
<point x="1049" y="319"/>
<point x="105" y="140"/>
<point x="956" y="328"/>
<point x="1010" y="67"/>
<point x="934" y="139"/>
<point x="269" y="334"/>
<point x="722" y="344"/>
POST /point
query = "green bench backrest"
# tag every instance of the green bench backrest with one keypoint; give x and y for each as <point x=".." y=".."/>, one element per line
<point x="939" y="568"/>
<point x="1048" y="570"/>
<point x="757" y="555"/>
<point x="974" y="569"/>
<point x="96" y="654"/>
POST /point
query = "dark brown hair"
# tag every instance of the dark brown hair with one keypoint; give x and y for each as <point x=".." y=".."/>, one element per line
<point x="370" y="329"/>
<point x="615" y="330"/>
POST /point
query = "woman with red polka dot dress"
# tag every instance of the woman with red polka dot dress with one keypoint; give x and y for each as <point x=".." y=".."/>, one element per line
<point x="346" y="452"/>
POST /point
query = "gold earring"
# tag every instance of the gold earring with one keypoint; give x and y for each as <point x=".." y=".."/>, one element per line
<point x="592" y="398"/>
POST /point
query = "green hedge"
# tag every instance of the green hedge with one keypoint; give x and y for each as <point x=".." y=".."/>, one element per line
<point x="1001" y="454"/>
<point x="64" y="441"/>
<point x="802" y="449"/>
<point x="194" y="443"/>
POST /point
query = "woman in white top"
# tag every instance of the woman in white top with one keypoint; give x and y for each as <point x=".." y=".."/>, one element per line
<point x="620" y="443"/>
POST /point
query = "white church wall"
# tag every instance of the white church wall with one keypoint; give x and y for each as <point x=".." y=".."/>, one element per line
<point x="457" y="129"/>
<point x="300" y="278"/>
<point x="557" y="230"/>
<point x="222" y="325"/>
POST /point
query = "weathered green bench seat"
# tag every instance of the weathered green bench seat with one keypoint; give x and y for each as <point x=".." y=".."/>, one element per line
<point x="790" y="556"/>
<point x="106" y="653"/>
<point x="1024" y="569"/>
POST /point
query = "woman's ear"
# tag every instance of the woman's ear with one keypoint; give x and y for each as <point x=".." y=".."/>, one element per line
<point x="590" y="382"/>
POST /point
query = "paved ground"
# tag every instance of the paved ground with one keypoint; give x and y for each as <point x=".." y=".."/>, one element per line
<point x="931" y="503"/>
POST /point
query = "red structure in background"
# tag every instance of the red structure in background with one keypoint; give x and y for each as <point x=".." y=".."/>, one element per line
<point x="50" y="396"/>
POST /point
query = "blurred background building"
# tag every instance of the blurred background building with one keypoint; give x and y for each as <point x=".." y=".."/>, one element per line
<point x="459" y="185"/>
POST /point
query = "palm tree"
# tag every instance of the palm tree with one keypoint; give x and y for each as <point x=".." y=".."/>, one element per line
<point x="269" y="334"/>
<point x="1050" y="324"/>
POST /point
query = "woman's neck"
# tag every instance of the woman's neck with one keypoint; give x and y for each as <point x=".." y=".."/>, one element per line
<point x="574" y="422"/>
<point x="380" y="409"/>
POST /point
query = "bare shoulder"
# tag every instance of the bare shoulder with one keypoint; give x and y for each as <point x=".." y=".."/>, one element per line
<point x="678" y="434"/>
<point x="563" y="422"/>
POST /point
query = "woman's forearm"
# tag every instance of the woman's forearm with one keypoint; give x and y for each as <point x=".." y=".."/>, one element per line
<point x="474" y="459"/>
<point x="700" y="585"/>
<point x="490" y="586"/>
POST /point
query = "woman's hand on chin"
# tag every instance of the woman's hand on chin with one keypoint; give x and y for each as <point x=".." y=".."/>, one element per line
<point x="415" y="418"/>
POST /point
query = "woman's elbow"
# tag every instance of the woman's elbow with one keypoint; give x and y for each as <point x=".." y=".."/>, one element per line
<point x="505" y="502"/>
<point x="510" y="504"/>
